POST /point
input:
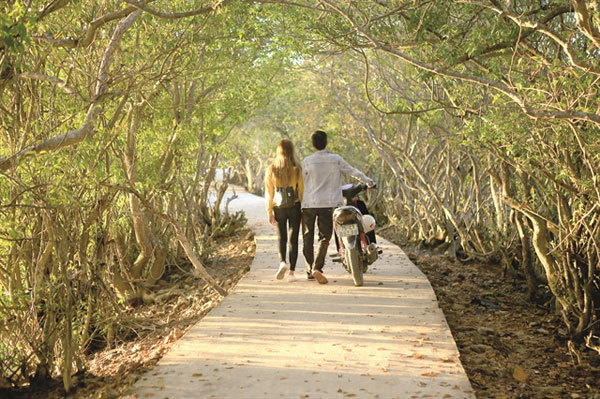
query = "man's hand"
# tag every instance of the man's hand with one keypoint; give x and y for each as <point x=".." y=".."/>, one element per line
<point x="272" y="220"/>
<point x="372" y="185"/>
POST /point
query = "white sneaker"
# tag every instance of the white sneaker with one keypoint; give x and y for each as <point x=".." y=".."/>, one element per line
<point x="281" y="271"/>
<point x="291" y="278"/>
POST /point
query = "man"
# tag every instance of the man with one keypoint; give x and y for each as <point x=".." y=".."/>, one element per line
<point x="322" y="172"/>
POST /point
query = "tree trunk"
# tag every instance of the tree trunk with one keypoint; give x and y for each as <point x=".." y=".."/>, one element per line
<point x="526" y="261"/>
<point x="140" y="223"/>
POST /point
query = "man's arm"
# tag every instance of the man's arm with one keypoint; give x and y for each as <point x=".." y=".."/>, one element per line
<point x="349" y="170"/>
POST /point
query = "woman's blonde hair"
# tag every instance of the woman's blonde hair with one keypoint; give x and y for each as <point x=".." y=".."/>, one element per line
<point x="285" y="165"/>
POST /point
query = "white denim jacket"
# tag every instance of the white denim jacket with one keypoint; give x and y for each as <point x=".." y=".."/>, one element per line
<point x="322" y="173"/>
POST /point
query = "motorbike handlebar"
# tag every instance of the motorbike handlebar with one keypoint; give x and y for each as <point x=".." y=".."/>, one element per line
<point x="355" y="189"/>
<point x="364" y="186"/>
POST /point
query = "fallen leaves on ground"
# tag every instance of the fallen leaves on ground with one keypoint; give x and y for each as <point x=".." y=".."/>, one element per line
<point x="184" y="300"/>
<point x="509" y="346"/>
<point x="519" y="374"/>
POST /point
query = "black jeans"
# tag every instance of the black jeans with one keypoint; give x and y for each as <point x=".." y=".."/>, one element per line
<point x="324" y="218"/>
<point x="283" y="216"/>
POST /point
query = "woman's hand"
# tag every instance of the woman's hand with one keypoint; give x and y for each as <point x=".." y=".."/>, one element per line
<point x="272" y="220"/>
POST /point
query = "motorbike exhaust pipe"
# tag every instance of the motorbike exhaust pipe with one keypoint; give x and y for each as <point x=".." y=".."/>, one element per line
<point x="371" y="253"/>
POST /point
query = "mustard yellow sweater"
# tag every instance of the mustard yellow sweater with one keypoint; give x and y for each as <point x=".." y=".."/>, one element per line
<point x="271" y="182"/>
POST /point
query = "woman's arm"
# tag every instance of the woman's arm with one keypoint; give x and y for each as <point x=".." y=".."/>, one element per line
<point x="300" y="185"/>
<point x="270" y="191"/>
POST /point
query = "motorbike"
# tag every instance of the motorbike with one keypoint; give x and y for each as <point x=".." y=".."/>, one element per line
<point x="355" y="234"/>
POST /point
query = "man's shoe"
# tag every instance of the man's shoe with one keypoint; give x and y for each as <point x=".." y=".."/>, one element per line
<point x="291" y="278"/>
<point x="309" y="276"/>
<point x="281" y="271"/>
<point x="320" y="277"/>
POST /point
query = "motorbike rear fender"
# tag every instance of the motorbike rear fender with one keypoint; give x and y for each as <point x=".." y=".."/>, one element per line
<point x="345" y="214"/>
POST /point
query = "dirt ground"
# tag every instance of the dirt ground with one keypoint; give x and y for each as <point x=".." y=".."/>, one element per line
<point x="510" y="347"/>
<point x="179" y="304"/>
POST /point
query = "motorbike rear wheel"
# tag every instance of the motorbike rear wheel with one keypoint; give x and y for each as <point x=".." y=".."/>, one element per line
<point x="355" y="266"/>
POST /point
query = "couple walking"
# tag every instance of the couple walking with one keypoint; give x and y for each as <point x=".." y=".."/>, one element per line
<point x="308" y="193"/>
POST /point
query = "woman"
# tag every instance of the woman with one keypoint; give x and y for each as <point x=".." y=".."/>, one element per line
<point x="284" y="187"/>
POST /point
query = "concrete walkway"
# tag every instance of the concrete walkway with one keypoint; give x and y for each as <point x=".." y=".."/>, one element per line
<point x="274" y="339"/>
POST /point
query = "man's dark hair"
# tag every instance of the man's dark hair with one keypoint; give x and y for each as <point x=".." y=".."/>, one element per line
<point x="319" y="139"/>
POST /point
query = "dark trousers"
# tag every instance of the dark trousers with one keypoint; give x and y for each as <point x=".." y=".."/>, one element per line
<point x="283" y="216"/>
<point x="324" y="219"/>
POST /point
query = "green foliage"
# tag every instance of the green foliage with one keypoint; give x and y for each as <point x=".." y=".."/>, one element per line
<point x="234" y="81"/>
<point x="14" y="28"/>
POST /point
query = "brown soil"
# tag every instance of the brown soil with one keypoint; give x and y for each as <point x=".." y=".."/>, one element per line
<point x="179" y="304"/>
<point x="509" y="346"/>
